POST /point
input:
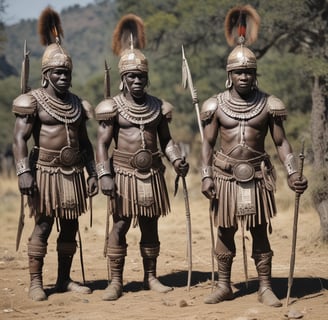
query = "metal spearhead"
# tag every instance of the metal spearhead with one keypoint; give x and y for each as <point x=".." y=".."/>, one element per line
<point x="25" y="70"/>
<point x="107" y="81"/>
<point x="187" y="80"/>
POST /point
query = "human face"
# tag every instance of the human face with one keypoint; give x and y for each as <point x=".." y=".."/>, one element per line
<point x="242" y="80"/>
<point x="136" y="83"/>
<point x="60" y="79"/>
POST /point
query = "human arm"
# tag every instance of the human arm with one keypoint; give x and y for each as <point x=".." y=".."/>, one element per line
<point x="210" y="133"/>
<point x="104" y="139"/>
<point x="172" y="150"/>
<point x="89" y="161"/>
<point x="285" y="154"/>
<point x="22" y="132"/>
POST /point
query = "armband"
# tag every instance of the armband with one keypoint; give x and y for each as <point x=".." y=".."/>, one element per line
<point x="22" y="166"/>
<point x="173" y="152"/>
<point x="290" y="164"/>
<point x="207" y="172"/>
<point x="103" y="169"/>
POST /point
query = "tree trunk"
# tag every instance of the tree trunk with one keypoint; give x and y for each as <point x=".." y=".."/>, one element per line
<point x="319" y="137"/>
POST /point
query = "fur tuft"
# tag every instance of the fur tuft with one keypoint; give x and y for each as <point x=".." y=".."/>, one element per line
<point x="241" y="21"/>
<point x="49" y="27"/>
<point x="129" y="24"/>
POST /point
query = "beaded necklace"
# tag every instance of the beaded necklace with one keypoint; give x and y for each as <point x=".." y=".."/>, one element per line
<point x="139" y="114"/>
<point x="66" y="111"/>
<point x="136" y="113"/>
<point x="240" y="109"/>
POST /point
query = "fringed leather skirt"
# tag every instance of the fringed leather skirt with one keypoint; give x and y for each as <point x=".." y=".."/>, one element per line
<point x="61" y="192"/>
<point x="140" y="192"/>
<point x="244" y="191"/>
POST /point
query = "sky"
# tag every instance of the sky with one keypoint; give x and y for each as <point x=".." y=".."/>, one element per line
<point x="16" y="10"/>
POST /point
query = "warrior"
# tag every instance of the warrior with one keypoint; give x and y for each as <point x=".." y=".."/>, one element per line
<point x="52" y="175"/>
<point x="239" y="178"/>
<point x="133" y="176"/>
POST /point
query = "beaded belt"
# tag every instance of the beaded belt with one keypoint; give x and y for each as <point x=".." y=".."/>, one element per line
<point x="142" y="160"/>
<point x="67" y="156"/>
<point x="241" y="170"/>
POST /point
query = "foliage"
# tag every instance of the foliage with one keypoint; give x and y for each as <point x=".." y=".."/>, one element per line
<point x="197" y="25"/>
<point x="8" y="86"/>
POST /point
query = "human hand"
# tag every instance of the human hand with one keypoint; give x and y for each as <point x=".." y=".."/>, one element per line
<point x="26" y="184"/>
<point x="181" y="167"/>
<point x="107" y="186"/>
<point x="92" y="186"/>
<point x="296" y="184"/>
<point x="208" y="188"/>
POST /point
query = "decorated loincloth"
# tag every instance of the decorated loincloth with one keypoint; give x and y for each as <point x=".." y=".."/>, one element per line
<point x="61" y="189"/>
<point x="140" y="184"/>
<point x="244" y="191"/>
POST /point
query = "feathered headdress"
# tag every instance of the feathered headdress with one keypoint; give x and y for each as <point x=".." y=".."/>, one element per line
<point x="241" y="28"/>
<point x="49" y="27"/>
<point x="129" y="32"/>
<point x="241" y="25"/>
<point x="128" y="39"/>
<point x="50" y="33"/>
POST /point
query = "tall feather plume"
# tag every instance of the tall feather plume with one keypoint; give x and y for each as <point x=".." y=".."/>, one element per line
<point x="130" y="28"/>
<point x="241" y="25"/>
<point x="49" y="27"/>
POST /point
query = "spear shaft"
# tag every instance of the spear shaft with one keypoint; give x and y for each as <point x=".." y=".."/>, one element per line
<point x="24" y="88"/>
<point x="107" y="81"/>
<point x="187" y="79"/>
<point x="296" y="210"/>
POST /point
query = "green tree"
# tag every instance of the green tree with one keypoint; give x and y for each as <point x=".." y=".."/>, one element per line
<point x="294" y="26"/>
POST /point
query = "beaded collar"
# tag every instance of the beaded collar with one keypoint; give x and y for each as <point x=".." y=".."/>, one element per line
<point x="241" y="109"/>
<point x="138" y="114"/>
<point x="66" y="111"/>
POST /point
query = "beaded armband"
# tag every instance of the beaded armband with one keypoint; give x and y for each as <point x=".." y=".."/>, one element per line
<point x="22" y="166"/>
<point x="173" y="152"/>
<point x="290" y="164"/>
<point x="207" y="172"/>
<point x="103" y="169"/>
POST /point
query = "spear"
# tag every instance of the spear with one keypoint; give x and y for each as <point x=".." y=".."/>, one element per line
<point x="296" y="209"/>
<point x="188" y="220"/>
<point x="25" y="70"/>
<point x="187" y="80"/>
<point x="24" y="88"/>
<point x="107" y="81"/>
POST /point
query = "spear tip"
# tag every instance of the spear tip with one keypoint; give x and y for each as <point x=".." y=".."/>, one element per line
<point x="183" y="53"/>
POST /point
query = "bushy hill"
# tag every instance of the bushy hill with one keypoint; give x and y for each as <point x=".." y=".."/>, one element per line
<point x="87" y="36"/>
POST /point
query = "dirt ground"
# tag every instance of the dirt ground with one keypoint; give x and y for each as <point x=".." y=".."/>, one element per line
<point x="309" y="295"/>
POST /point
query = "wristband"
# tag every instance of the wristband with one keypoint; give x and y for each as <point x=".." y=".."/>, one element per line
<point x="22" y="166"/>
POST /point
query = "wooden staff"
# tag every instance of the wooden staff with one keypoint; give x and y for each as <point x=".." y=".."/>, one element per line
<point x="187" y="79"/>
<point x="296" y="210"/>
